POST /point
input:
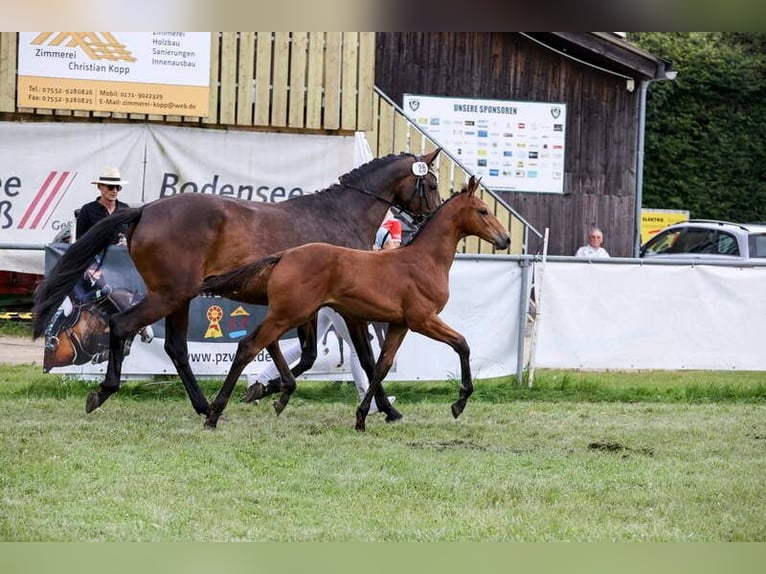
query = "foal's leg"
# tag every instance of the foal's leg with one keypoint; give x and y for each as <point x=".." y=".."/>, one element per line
<point x="392" y="342"/>
<point x="357" y="331"/>
<point x="288" y="380"/>
<point x="438" y="330"/>
<point x="307" y="335"/>
<point x="266" y="334"/>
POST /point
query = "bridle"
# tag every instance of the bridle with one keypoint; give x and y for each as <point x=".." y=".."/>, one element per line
<point x="420" y="170"/>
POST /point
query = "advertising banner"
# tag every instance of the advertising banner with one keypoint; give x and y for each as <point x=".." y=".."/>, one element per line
<point x="166" y="73"/>
<point x="217" y="324"/>
<point x="46" y="171"/>
<point x="614" y="316"/>
<point x="511" y="145"/>
<point x="655" y="220"/>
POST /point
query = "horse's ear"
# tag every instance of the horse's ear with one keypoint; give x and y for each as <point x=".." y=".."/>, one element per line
<point x="430" y="157"/>
<point x="473" y="184"/>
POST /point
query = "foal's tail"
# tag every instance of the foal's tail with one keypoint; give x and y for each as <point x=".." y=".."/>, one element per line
<point x="238" y="278"/>
<point x="59" y="282"/>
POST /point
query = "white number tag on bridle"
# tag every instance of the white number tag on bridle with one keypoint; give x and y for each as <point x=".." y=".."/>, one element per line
<point x="420" y="168"/>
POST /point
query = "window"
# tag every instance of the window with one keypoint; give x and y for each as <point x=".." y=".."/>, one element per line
<point x="698" y="241"/>
<point x="757" y="245"/>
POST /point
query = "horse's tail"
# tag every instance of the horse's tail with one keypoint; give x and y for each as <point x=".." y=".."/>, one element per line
<point x="59" y="282"/>
<point x="236" y="279"/>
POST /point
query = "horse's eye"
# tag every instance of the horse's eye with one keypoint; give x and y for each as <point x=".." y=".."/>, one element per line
<point x="484" y="211"/>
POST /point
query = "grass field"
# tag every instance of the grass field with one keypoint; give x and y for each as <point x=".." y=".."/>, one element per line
<point x="580" y="457"/>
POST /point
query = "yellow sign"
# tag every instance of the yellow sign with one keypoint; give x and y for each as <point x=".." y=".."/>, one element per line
<point x="655" y="220"/>
<point x="161" y="73"/>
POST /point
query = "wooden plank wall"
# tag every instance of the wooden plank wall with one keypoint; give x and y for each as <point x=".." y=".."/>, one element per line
<point x="602" y="121"/>
<point x="293" y="80"/>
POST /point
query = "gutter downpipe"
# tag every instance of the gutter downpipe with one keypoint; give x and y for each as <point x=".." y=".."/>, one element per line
<point x="640" y="166"/>
<point x="665" y="73"/>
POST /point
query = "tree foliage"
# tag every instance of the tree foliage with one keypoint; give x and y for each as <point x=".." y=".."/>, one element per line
<point x="705" y="149"/>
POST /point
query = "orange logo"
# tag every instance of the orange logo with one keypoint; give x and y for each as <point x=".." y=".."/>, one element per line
<point x="96" y="45"/>
<point x="214" y="315"/>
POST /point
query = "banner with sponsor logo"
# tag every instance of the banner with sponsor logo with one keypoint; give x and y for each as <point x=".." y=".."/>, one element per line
<point x="511" y="145"/>
<point x="217" y="324"/>
<point x="46" y="171"/>
<point x="130" y="72"/>
<point x="45" y="174"/>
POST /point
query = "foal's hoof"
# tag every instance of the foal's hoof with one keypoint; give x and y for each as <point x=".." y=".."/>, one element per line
<point x="457" y="408"/>
<point x="211" y="424"/>
<point x="254" y="393"/>
<point x="278" y="407"/>
<point x="92" y="402"/>
<point x="360" y="426"/>
<point x="393" y="416"/>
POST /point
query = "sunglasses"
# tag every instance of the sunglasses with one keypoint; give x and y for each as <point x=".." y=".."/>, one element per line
<point x="112" y="187"/>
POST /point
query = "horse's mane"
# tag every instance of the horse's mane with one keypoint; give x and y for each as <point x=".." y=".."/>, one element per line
<point x="431" y="215"/>
<point x="371" y="167"/>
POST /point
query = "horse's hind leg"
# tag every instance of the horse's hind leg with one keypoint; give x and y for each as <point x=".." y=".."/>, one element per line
<point x="288" y="380"/>
<point x="176" y="330"/>
<point x="248" y="347"/>
<point x="307" y="336"/>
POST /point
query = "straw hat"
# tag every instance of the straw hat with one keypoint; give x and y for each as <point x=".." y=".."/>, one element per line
<point x="110" y="176"/>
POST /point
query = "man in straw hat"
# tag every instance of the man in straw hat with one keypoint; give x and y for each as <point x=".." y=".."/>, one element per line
<point x="109" y="184"/>
<point x="92" y="288"/>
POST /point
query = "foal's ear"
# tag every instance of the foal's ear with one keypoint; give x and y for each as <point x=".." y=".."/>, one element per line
<point x="430" y="157"/>
<point x="473" y="184"/>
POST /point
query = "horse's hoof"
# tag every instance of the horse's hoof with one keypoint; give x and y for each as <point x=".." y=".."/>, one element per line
<point x="360" y="426"/>
<point x="393" y="416"/>
<point x="457" y="409"/>
<point x="278" y="407"/>
<point x="254" y="393"/>
<point x="92" y="402"/>
<point x="211" y="424"/>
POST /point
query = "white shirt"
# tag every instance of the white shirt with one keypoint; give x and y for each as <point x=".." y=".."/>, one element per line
<point x="591" y="252"/>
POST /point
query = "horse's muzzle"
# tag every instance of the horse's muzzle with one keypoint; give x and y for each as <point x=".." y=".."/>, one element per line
<point x="502" y="241"/>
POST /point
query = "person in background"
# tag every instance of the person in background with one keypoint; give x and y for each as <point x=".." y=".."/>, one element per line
<point x="389" y="234"/>
<point x="92" y="287"/>
<point x="593" y="249"/>
<point x="109" y="184"/>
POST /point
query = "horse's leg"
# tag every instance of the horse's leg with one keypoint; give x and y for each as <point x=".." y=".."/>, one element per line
<point x="438" y="330"/>
<point x="357" y="331"/>
<point x="307" y="336"/>
<point x="177" y="348"/>
<point x="119" y="331"/>
<point x="288" y="380"/>
<point x="249" y="346"/>
<point x="392" y="342"/>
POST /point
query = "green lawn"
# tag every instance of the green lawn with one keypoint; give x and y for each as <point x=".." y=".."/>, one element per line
<point x="580" y="457"/>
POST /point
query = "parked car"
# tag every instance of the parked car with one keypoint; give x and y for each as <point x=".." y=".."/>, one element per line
<point x="709" y="239"/>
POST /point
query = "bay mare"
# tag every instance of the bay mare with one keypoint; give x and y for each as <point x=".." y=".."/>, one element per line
<point x="405" y="287"/>
<point x="176" y="241"/>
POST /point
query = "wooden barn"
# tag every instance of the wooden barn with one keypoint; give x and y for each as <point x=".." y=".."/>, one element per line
<point x="599" y="76"/>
